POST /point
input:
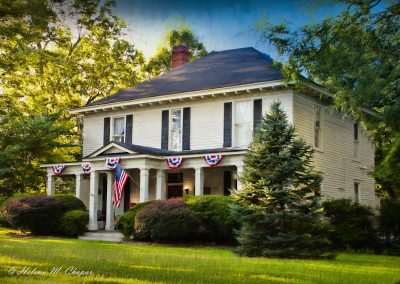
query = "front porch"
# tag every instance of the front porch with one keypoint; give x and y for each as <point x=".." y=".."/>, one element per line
<point x="149" y="179"/>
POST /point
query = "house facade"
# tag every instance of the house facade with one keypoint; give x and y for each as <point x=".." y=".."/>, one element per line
<point x="186" y="132"/>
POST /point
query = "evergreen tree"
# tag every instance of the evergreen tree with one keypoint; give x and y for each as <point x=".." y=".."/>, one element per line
<point x="279" y="203"/>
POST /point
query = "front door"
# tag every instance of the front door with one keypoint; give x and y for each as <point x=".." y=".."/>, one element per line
<point x="127" y="195"/>
<point x="175" y="185"/>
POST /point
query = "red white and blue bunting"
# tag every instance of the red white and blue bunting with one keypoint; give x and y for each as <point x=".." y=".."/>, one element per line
<point x="213" y="160"/>
<point x="58" y="169"/>
<point x="174" y="162"/>
<point x="111" y="163"/>
<point x="86" y="167"/>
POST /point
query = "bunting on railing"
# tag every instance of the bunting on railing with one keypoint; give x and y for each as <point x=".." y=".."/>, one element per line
<point x="213" y="160"/>
<point x="174" y="162"/>
<point x="58" y="169"/>
<point x="86" y="167"/>
<point x="111" y="163"/>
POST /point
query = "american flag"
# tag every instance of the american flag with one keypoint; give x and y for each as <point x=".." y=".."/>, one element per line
<point x="121" y="177"/>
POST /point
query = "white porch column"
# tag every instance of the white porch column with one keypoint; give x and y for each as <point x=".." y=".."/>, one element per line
<point x="239" y="171"/>
<point x="51" y="182"/>
<point x="78" y="185"/>
<point x="198" y="181"/>
<point x="109" y="206"/>
<point x="144" y="185"/>
<point x="94" y="180"/>
<point x="160" y="191"/>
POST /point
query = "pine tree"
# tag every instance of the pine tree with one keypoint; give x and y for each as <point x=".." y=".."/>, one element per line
<point x="279" y="204"/>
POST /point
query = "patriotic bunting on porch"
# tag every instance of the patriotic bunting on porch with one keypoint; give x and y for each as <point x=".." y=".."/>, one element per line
<point x="86" y="167"/>
<point x="213" y="160"/>
<point x="58" y="169"/>
<point x="111" y="163"/>
<point x="174" y="162"/>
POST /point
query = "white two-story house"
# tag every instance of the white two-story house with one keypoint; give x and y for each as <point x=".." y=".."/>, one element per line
<point x="200" y="116"/>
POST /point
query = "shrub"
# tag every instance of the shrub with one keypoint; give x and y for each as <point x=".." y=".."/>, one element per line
<point x="217" y="222"/>
<point x="73" y="223"/>
<point x="70" y="202"/>
<point x="126" y="223"/>
<point x="166" y="221"/>
<point x="37" y="214"/>
<point x="389" y="225"/>
<point x="351" y="224"/>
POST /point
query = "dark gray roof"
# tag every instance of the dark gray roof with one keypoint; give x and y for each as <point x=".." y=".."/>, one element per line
<point x="160" y="152"/>
<point x="215" y="70"/>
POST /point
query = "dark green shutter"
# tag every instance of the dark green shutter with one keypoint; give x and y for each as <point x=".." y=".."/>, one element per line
<point x="164" y="129"/>
<point x="106" y="132"/>
<point x="257" y="113"/>
<point x="227" y="125"/>
<point x="128" y="130"/>
<point x="186" y="129"/>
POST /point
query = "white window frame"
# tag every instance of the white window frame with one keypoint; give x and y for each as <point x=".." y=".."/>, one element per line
<point x="170" y="129"/>
<point x="320" y="128"/>
<point x="112" y="127"/>
<point x="357" y="197"/>
<point x="356" y="142"/>
<point x="251" y="101"/>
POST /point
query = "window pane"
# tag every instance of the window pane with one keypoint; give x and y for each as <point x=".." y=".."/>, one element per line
<point x="243" y="134"/>
<point x="119" y="128"/>
<point x="355" y="131"/>
<point x="176" y="119"/>
<point x="243" y="112"/>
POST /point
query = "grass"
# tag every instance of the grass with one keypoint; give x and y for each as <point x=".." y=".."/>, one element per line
<point x="136" y="263"/>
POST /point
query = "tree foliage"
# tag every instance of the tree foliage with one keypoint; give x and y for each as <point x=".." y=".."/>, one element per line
<point x="183" y="35"/>
<point x="355" y="56"/>
<point x="55" y="55"/>
<point x="280" y="214"/>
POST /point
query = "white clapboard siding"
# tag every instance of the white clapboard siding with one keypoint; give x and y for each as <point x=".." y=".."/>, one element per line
<point x="206" y="122"/>
<point x="335" y="158"/>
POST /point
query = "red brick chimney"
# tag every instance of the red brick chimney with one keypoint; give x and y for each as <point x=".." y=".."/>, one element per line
<point x="180" y="55"/>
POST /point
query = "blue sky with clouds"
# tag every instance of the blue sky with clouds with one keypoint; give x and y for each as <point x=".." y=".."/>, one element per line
<point x="220" y="24"/>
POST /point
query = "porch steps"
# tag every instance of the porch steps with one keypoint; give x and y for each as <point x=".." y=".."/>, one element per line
<point x="107" y="236"/>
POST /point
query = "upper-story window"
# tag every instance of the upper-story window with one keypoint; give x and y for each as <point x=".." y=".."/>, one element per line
<point x="118" y="129"/>
<point x="356" y="141"/>
<point x="317" y="126"/>
<point x="243" y="123"/>
<point x="176" y="130"/>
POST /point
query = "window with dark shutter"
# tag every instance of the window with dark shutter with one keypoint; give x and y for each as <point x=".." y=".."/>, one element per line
<point x="129" y="126"/>
<point x="186" y="129"/>
<point x="106" y="132"/>
<point x="257" y="113"/>
<point x="164" y="129"/>
<point x="227" y="125"/>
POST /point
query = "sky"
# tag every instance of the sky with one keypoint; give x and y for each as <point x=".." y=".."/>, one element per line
<point x="219" y="24"/>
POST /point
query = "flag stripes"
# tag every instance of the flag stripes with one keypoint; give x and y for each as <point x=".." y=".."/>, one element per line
<point x="121" y="177"/>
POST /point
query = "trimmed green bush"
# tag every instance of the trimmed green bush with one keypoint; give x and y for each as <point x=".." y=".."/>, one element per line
<point x="70" y="202"/>
<point x="166" y="221"/>
<point x="351" y="224"/>
<point x="37" y="214"/>
<point x="126" y="223"/>
<point x="73" y="223"/>
<point x="217" y="222"/>
<point x="389" y="225"/>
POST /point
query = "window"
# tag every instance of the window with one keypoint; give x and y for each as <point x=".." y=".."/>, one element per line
<point x="243" y="123"/>
<point x="356" y="192"/>
<point x="118" y="130"/>
<point x="176" y="130"/>
<point x="356" y="149"/>
<point x="317" y="127"/>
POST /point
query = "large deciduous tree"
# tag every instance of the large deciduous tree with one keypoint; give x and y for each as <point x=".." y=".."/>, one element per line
<point x="279" y="206"/>
<point x="55" y="55"/>
<point x="356" y="56"/>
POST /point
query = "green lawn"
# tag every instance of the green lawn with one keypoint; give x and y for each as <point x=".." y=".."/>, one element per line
<point x="135" y="263"/>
